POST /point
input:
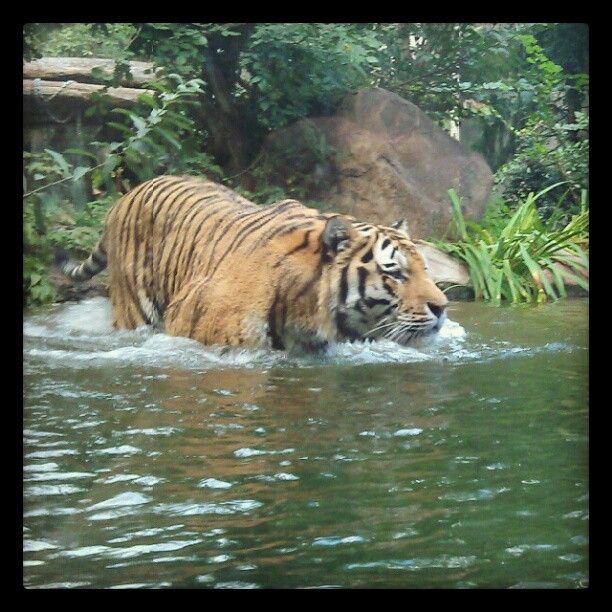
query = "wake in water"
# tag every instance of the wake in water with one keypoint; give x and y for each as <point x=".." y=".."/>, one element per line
<point x="81" y="336"/>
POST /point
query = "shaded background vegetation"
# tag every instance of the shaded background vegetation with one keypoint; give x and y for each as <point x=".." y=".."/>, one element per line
<point x="517" y="93"/>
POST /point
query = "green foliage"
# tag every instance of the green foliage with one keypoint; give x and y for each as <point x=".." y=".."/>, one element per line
<point x="158" y="139"/>
<point x="110" y="40"/>
<point x="518" y="261"/>
<point x="299" y="69"/>
<point x="155" y="137"/>
<point x="48" y="222"/>
<point x="178" y="46"/>
<point x="37" y="289"/>
<point x="552" y="140"/>
<point x="79" y="231"/>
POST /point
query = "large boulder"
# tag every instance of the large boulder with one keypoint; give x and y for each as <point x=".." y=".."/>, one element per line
<point x="380" y="158"/>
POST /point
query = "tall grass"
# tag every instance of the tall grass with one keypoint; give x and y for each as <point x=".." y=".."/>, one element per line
<point x="522" y="260"/>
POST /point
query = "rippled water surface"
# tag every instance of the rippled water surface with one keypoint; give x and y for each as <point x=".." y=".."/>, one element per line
<point x="152" y="461"/>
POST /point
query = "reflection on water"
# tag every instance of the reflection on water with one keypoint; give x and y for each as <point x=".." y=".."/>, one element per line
<point x="152" y="461"/>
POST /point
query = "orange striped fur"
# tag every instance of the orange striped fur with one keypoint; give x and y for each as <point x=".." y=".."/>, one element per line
<point x="198" y="260"/>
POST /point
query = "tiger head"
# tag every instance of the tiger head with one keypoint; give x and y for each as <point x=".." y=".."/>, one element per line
<point x="379" y="285"/>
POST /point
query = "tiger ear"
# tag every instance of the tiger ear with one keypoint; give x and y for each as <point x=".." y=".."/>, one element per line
<point x="336" y="235"/>
<point x="401" y="226"/>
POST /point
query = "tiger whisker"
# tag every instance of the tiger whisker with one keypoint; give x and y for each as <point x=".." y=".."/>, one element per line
<point x="404" y="332"/>
<point x="381" y="327"/>
<point x="417" y="324"/>
<point x="406" y="336"/>
<point x="395" y="333"/>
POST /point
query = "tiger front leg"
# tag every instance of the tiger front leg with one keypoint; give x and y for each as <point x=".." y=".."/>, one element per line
<point x="205" y="313"/>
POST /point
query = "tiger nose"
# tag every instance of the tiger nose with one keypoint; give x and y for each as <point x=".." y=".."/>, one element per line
<point x="435" y="309"/>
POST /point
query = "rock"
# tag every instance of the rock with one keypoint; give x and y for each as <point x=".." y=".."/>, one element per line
<point x="450" y="274"/>
<point x="380" y="158"/>
<point x="70" y="291"/>
<point x="442" y="267"/>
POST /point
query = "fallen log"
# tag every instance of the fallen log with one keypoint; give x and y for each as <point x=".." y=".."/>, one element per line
<point x="80" y="91"/>
<point x="79" y="69"/>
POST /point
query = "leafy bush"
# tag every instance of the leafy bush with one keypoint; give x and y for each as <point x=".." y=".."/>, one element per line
<point x="552" y="142"/>
<point x="519" y="260"/>
<point x="301" y="69"/>
<point x="37" y="288"/>
<point x="109" y="40"/>
<point x="67" y="195"/>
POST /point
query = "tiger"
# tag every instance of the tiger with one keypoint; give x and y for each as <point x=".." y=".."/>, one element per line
<point x="194" y="258"/>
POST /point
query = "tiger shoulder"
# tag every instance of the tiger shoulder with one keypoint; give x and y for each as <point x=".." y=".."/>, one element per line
<point x="197" y="259"/>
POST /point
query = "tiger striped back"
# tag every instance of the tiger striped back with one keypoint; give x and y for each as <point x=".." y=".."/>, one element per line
<point x="152" y="235"/>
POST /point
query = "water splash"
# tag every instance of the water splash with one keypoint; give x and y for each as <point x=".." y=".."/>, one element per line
<point x="81" y="336"/>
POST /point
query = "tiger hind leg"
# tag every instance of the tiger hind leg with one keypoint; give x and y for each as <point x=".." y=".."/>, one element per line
<point x="130" y="307"/>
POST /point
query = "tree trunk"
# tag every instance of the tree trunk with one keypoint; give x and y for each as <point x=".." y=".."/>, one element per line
<point x="221" y="113"/>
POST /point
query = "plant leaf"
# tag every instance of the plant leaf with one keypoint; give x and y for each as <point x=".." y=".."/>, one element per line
<point x="58" y="158"/>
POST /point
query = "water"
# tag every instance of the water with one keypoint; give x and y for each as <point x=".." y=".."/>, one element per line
<point x="152" y="461"/>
